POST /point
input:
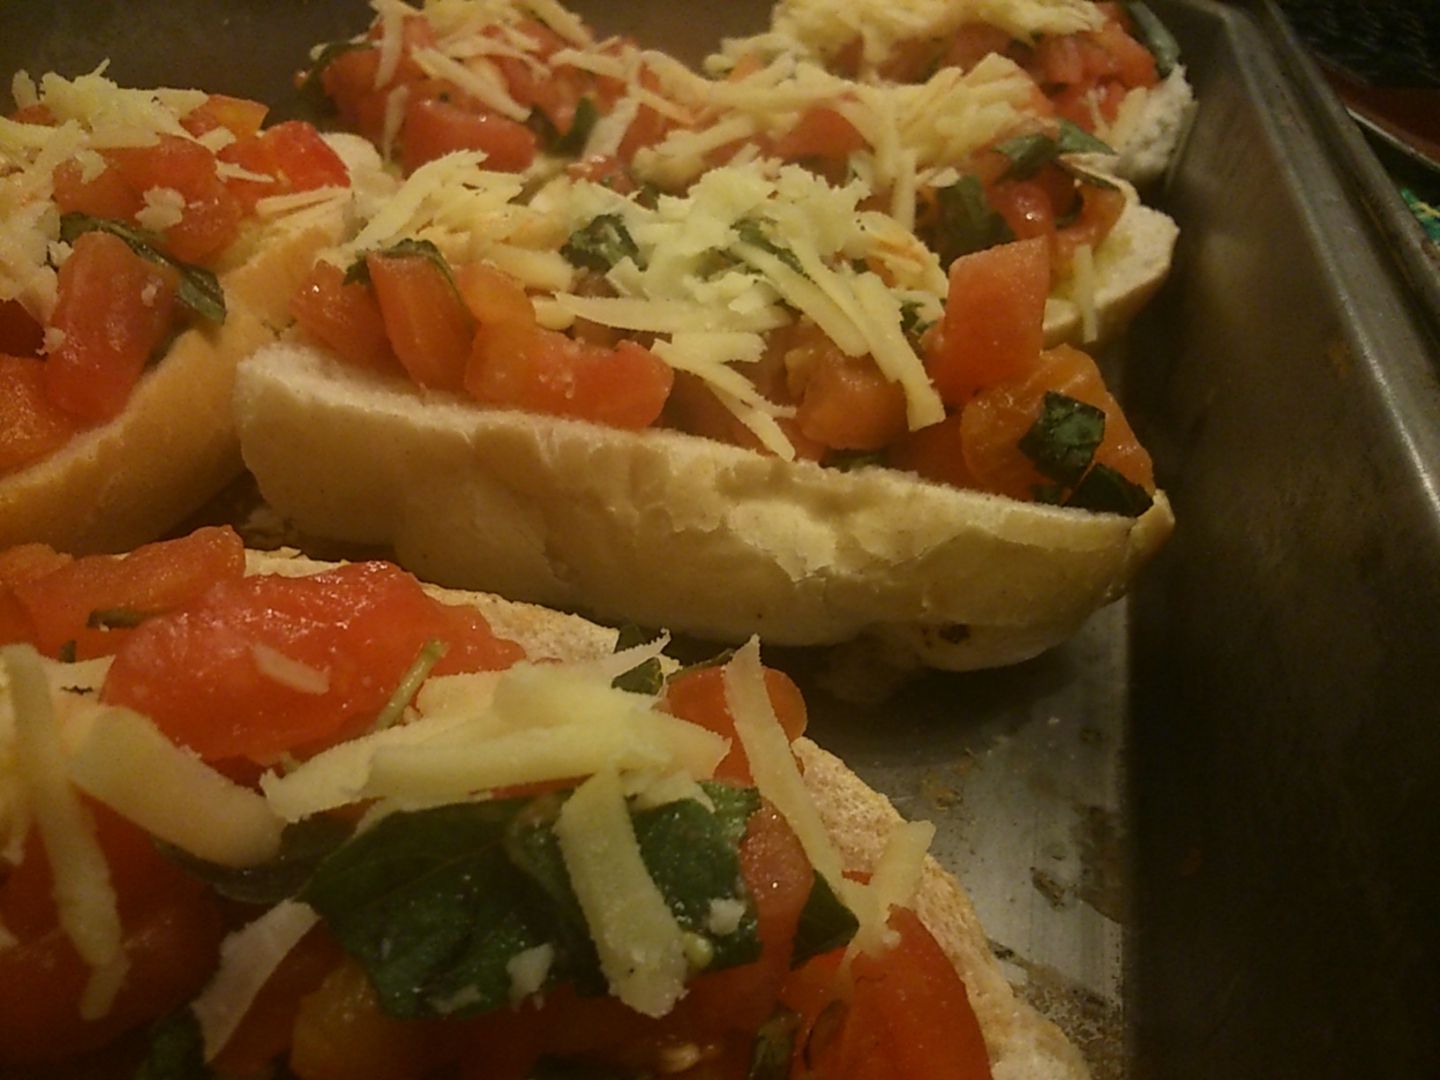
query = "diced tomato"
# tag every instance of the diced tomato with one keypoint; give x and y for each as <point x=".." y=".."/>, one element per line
<point x="901" y="1015"/>
<point x="975" y="41"/>
<point x="993" y="424"/>
<point x="199" y="673"/>
<point x="344" y="318"/>
<point x="107" y="194"/>
<point x="434" y="127"/>
<point x="993" y="327"/>
<point x="1134" y="63"/>
<point x="1100" y="209"/>
<point x="494" y="297"/>
<point x="821" y="132"/>
<point x="20" y="332"/>
<point x="293" y="154"/>
<point x="239" y="116"/>
<point x="156" y="578"/>
<point x="349" y="81"/>
<point x="698" y="695"/>
<point x="114" y="310"/>
<point x="425" y="319"/>
<point x="341" y="1034"/>
<point x="934" y="452"/>
<point x="544" y="371"/>
<point x="211" y="216"/>
<point x="26" y="562"/>
<point x="269" y="1024"/>
<point x="1059" y="60"/>
<point x="31" y="427"/>
<point x="172" y="931"/>
<point x="846" y="402"/>
<point x="1026" y="207"/>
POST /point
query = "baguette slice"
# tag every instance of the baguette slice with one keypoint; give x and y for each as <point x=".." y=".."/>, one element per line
<point x="1021" y="1042"/>
<point x="124" y="482"/>
<point x="666" y="529"/>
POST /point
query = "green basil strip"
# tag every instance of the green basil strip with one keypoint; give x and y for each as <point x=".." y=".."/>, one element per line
<point x="303" y="845"/>
<point x="1106" y="491"/>
<point x="753" y="233"/>
<point x="1155" y="36"/>
<point x="967" y="222"/>
<point x="359" y="270"/>
<point x="1073" y="139"/>
<point x="176" y="1051"/>
<point x="1028" y="154"/>
<point x="1063" y="440"/>
<point x="601" y="244"/>
<point x="199" y="289"/>
<point x="645" y="678"/>
<point x="435" y="903"/>
<point x="825" y="923"/>
<point x="581" y="124"/>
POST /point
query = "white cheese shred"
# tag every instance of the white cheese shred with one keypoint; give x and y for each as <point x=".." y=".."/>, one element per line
<point x="641" y="946"/>
<point x="248" y="958"/>
<point x="84" y="896"/>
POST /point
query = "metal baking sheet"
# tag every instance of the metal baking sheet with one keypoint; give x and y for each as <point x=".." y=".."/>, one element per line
<point x="1201" y="834"/>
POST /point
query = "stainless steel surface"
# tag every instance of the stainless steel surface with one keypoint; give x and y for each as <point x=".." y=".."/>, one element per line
<point x="1203" y="832"/>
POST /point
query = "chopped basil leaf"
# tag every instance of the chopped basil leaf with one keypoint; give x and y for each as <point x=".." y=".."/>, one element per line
<point x="753" y="233"/>
<point x="850" y="460"/>
<point x="66" y="652"/>
<point x="601" y="244"/>
<point x="967" y="223"/>
<point x="825" y="923"/>
<point x="1084" y="177"/>
<point x="435" y="903"/>
<point x="114" y="618"/>
<point x="774" y="1047"/>
<point x="199" y="290"/>
<point x="1106" y="491"/>
<point x="359" y="270"/>
<point x="1155" y="36"/>
<point x="177" y="1050"/>
<point x="581" y="124"/>
<point x="645" y="678"/>
<point x="302" y="846"/>
<point x="912" y="324"/>
<point x="1029" y="153"/>
<point x="1062" y="441"/>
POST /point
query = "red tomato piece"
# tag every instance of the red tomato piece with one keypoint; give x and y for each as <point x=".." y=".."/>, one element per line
<point x="349" y="81"/>
<point x="198" y="673"/>
<point x="107" y="194"/>
<point x="20" y="332"/>
<point x="698" y="695"/>
<point x="993" y="327"/>
<point x="544" y="371"/>
<point x="1100" y="209"/>
<point x="434" y="128"/>
<point x="425" y="319"/>
<point x="344" y="318"/>
<point x="114" y="310"/>
<point x="152" y="579"/>
<point x="31" y="427"/>
<point x="847" y="403"/>
<point x="172" y="931"/>
<point x="240" y="116"/>
<point x="1026" y="207"/>
<point x="211" y="216"/>
<point x="975" y="41"/>
<point x="494" y="297"/>
<point x="995" y="421"/>
<point x="934" y="452"/>
<point x="292" y="154"/>
<point x="821" y="132"/>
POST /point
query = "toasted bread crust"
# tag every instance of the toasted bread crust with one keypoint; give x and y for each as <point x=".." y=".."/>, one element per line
<point x="667" y="529"/>
<point x="125" y="482"/>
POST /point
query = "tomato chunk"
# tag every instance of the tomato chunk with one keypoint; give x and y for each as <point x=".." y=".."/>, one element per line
<point x="292" y="154"/>
<point x="31" y="427"/>
<point x="434" y="128"/>
<point x="150" y="580"/>
<point x="425" y="319"/>
<point x="993" y="327"/>
<point x="935" y="452"/>
<point x="240" y="116"/>
<point x="846" y="402"/>
<point x="210" y="218"/>
<point x="201" y="673"/>
<point x="20" y="332"/>
<point x="993" y="424"/>
<point x="114" y="310"/>
<point x="343" y="317"/>
<point x="544" y="371"/>
<point x="172" y="930"/>
<point x="698" y="695"/>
